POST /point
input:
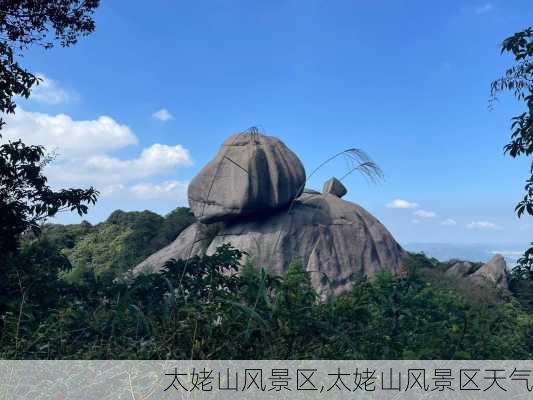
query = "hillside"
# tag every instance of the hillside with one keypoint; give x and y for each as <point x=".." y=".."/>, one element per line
<point x="203" y="310"/>
<point x="116" y="244"/>
<point x="223" y="306"/>
<point x="481" y="252"/>
<point x="74" y="308"/>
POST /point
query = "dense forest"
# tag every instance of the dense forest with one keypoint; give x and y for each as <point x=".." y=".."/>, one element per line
<point x="71" y="299"/>
<point x="117" y="244"/>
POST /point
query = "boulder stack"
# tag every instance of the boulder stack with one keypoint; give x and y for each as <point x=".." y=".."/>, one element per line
<point x="255" y="186"/>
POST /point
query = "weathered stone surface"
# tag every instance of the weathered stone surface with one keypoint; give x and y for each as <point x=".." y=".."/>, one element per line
<point x="335" y="187"/>
<point x="247" y="189"/>
<point x="459" y="269"/>
<point x="335" y="239"/>
<point x="494" y="272"/>
<point x="251" y="174"/>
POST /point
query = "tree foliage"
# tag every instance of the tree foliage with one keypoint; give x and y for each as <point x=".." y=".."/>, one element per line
<point x="207" y="308"/>
<point x="36" y="22"/>
<point x="26" y="200"/>
<point x="518" y="79"/>
<point x="117" y="244"/>
<point x="25" y="197"/>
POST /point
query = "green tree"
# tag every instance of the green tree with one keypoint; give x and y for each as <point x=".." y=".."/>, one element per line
<point x="24" y="23"/>
<point x="64" y="236"/>
<point x="294" y="310"/>
<point x="175" y="222"/>
<point x="25" y="198"/>
<point x="518" y="79"/>
<point x="203" y="309"/>
<point x="119" y="243"/>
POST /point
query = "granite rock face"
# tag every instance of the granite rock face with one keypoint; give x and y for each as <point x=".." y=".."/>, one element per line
<point x="493" y="272"/>
<point x="251" y="174"/>
<point x="252" y="195"/>
<point x="459" y="269"/>
<point x="335" y="240"/>
<point x="335" y="187"/>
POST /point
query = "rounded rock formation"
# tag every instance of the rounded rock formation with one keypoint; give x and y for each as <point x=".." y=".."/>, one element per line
<point x="252" y="173"/>
<point x="494" y="272"/>
<point x="335" y="240"/>
<point x="252" y="196"/>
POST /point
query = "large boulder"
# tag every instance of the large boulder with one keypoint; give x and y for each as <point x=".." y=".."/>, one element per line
<point x="335" y="239"/>
<point x="459" y="269"/>
<point x="335" y="187"/>
<point x="494" y="272"/>
<point x="251" y="174"/>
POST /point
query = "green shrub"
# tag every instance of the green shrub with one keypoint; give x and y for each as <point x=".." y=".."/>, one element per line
<point x="203" y="308"/>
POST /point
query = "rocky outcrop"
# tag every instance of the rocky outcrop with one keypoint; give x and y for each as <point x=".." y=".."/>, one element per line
<point x="494" y="272"/>
<point x="251" y="174"/>
<point x="254" y="188"/>
<point x="335" y="240"/>
<point x="335" y="187"/>
<point x="459" y="269"/>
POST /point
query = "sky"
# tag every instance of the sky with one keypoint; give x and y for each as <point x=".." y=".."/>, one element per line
<point x="140" y="106"/>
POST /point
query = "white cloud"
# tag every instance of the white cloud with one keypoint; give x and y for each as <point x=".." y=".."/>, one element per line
<point x="449" y="222"/>
<point x="483" y="8"/>
<point x="105" y="171"/>
<point x="67" y="136"/>
<point x="85" y="149"/>
<point x="424" y="214"/>
<point x="415" y="221"/>
<point x="48" y="91"/>
<point x="399" y="203"/>
<point x="162" y="115"/>
<point x="111" y="190"/>
<point x="170" y="189"/>
<point x="154" y="160"/>
<point x="482" y="225"/>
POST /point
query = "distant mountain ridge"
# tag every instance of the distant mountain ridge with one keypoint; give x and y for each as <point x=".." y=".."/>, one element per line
<point x="480" y="252"/>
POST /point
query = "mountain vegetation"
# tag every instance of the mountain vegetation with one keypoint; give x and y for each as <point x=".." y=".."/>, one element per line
<point x="26" y="199"/>
<point x="71" y="300"/>
<point x="117" y="244"/>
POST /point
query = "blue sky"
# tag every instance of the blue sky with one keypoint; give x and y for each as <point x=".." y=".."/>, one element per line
<point x="407" y="81"/>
